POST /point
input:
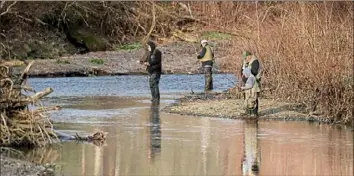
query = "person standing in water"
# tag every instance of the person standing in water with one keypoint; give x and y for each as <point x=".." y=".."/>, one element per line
<point x="206" y="57"/>
<point x="152" y="61"/>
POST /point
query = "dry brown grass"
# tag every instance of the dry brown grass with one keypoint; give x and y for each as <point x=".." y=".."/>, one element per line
<point x="306" y="48"/>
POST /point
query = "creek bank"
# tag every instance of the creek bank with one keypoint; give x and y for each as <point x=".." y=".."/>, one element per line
<point x="177" y="58"/>
<point x="11" y="167"/>
<point x="227" y="105"/>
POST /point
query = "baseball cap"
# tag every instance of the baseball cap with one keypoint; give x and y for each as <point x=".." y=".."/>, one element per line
<point x="203" y="41"/>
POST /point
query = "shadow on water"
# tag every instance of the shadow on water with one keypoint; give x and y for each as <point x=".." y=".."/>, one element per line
<point x="155" y="131"/>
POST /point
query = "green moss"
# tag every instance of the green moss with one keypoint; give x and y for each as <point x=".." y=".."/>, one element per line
<point x="216" y="35"/>
<point x="97" y="61"/>
<point x="62" y="61"/>
<point x="131" y="46"/>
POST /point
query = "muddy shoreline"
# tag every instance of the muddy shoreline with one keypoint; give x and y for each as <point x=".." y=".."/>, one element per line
<point x="225" y="105"/>
<point x="177" y="58"/>
<point x="12" y="166"/>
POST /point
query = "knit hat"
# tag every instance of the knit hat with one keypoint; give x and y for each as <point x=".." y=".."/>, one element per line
<point x="246" y="53"/>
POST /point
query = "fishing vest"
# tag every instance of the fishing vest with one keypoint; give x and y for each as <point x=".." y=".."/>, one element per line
<point x="208" y="56"/>
<point x="249" y="65"/>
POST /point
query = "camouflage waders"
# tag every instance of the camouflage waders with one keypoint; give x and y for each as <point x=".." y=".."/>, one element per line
<point x="154" y="80"/>
<point x="252" y="95"/>
<point x="251" y="101"/>
<point x="208" y="78"/>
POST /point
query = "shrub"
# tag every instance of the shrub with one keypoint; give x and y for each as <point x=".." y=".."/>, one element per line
<point x="97" y="61"/>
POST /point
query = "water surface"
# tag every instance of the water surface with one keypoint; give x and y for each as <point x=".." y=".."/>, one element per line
<point x="142" y="140"/>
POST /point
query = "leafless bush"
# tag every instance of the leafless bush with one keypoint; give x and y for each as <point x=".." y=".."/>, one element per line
<point x="306" y="48"/>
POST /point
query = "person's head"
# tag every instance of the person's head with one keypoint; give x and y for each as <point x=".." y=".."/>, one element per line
<point x="247" y="55"/>
<point x="203" y="43"/>
<point x="151" y="46"/>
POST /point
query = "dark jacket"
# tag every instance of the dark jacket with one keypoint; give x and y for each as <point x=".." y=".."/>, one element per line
<point x="154" y="59"/>
<point x="201" y="55"/>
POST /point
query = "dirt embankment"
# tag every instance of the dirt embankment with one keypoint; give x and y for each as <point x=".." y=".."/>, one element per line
<point x="177" y="58"/>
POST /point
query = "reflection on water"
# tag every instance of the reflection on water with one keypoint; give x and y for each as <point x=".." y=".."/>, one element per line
<point x="155" y="131"/>
<point x="205" y="138"/>
<point x="251" y="155"/>
<point x="164" y="144"/>
<point x="42" y="155"/>
<point x="142" y="140"/>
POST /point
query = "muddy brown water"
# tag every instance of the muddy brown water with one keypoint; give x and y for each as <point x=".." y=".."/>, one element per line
<point x="142" y="140"/>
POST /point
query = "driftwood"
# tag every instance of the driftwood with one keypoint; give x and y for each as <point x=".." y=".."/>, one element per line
<point x="97" y="138"/>
<point x="18" y="125"/>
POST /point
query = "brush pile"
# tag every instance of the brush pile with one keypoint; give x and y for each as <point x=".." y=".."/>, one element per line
<point x="98" y="138"/>
<point x="24" y="121"/>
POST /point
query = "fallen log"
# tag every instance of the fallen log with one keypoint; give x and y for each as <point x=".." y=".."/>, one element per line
<point x="97" y="138"/>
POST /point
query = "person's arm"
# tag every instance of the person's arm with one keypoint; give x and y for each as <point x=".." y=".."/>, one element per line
<point x="243" y="66"/>
<point x="246" y="87"/>
<point x="255" y="67"/>
<point x="145" y="56"/>
<point x="202" y="53"/>
<point x="249" y="84"/>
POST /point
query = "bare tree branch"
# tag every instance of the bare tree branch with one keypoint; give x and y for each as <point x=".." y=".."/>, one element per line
<point x="8" y="8"/>
<point x="146" y="38"/>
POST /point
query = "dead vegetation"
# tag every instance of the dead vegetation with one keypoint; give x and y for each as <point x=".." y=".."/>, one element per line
<point x="24" y="121"/>
<point x="306" y="47"/>
<point x="56" y="27"/>
<point x="21" y="125"/>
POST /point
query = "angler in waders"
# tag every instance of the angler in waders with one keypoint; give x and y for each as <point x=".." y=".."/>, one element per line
<point x="251" y="98"/>
<point x="206" y="57"/>
<point x="152" y="61"/>
<point x="251" y="62"/>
